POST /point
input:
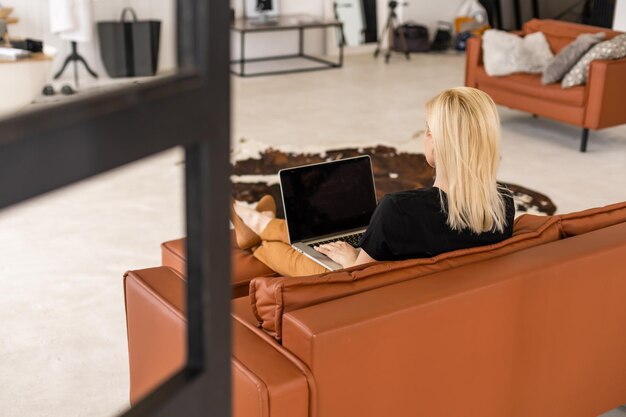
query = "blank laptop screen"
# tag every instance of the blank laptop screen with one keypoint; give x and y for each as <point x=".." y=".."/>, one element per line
<point x="328" y="198"/>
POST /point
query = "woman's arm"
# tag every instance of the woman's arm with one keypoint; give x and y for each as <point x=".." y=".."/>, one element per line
<point x="345" y="254"/>
<point x="363" y="258"/>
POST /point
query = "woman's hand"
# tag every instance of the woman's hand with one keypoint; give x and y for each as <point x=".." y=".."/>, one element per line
<point x="341" y="252"/>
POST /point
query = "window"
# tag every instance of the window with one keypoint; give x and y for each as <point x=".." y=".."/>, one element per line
<point x="49" y="148"/>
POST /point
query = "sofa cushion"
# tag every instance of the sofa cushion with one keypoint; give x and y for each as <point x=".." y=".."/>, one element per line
<point x="569" y="56"/>
<point x="560" y="34"/>
<point x="505" y="53"/>
<point x="530" y="85"/>
<point x="272" y="297"/>
<point x="244" y="265"/>
<point x="612" y="49"/>
<point x="585" y="221"/>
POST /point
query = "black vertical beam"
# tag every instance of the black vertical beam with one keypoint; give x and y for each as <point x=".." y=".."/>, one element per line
<point x="498" y="11"/>
<point x="208" y="190"/>
<point x="517" y="9"/>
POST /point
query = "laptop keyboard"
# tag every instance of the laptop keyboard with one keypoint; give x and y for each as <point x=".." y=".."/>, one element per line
<point x="353" y="240"/>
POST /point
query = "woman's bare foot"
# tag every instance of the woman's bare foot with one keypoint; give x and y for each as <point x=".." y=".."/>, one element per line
<point x="245" y="236"/>
<point x="267" y="204"/>
<point x="256" y="221"/>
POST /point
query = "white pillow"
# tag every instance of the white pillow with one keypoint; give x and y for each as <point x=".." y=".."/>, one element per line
<point x="505" y="53"/>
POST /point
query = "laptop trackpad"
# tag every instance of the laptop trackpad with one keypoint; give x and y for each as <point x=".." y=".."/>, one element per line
<point x="318" y="257"/>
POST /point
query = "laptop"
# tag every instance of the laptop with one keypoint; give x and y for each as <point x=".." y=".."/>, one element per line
<point x="328" y="202"/>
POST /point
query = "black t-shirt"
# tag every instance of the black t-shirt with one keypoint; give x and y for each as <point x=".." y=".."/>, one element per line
<point x="412" y="224"/>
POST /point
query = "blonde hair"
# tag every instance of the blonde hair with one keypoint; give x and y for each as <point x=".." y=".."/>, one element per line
<point x="465" y="129"/>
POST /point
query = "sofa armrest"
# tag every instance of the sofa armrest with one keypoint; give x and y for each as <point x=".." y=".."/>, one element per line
<point x="265" y="381"/>
<point x="156" y="327"/>
<point x="473" y="59"/>
<point x="606" y="90"/>
<point x="244" y="266"/>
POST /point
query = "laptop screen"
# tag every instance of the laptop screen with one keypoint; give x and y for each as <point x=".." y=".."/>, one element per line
<point x="328" y="198"/>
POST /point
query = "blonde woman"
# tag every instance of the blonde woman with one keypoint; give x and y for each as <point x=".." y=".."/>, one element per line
<point x="464" y="208"/>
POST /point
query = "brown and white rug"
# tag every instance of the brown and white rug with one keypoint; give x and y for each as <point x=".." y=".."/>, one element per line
<point x="254" y="174"/>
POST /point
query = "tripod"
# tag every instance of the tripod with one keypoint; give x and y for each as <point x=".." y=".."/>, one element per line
<point x="390" y="27"/>
<point x="75" y="57"/>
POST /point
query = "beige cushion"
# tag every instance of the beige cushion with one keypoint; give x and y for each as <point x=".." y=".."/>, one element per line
<point x="612" y="49"/>
<point x="569" y="56"/>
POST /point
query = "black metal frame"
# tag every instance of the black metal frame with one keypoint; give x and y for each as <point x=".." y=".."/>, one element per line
<point x="326" y="64"/>
<point x="49" y="148"/>
<point x="517" y="7"/>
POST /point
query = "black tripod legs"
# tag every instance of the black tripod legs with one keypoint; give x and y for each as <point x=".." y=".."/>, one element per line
<point x="75" y="58"/>
<point x="390" y="28"/>
<point x="65" y="64"/>
<point x="87" y="67"/>
<point x="403" y="44"/>
<point x="379" y="44"/>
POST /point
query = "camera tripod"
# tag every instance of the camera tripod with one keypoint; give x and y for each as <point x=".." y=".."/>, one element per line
<point x="391" y="26"/>
<point x="75" y="58"/>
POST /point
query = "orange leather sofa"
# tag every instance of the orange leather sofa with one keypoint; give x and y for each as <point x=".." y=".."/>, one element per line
<point x="596" y="105"/>
<point x="532" y="326"/>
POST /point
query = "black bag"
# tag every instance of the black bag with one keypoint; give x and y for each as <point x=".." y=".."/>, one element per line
<point x="443" y="37"/>
<point x="416" y="37"/>
<point x="130" y="49"/>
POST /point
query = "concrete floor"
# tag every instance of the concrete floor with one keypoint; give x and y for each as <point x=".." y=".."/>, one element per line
<point x="63" y="336"/>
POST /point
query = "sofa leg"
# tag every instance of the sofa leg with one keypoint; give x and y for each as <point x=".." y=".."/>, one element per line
<point x="583" y="140"/>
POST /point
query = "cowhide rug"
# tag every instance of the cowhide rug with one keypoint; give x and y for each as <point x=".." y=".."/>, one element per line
<point x="254" y="174"/>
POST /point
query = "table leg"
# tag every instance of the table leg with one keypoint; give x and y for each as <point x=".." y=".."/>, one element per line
<point x="242" y="54"/>
<point x="342" y="43"/>
<point x="300" y="41"/>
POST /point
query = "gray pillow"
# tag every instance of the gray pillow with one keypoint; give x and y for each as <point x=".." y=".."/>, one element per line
<point x="569" y="56"/>
<point x="612" y="49"/>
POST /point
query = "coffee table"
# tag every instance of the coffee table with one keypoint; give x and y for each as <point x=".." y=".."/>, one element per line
<point x="297" y="23"/>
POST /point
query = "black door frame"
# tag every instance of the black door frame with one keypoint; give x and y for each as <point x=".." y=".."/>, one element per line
<point x="47" y="149"/>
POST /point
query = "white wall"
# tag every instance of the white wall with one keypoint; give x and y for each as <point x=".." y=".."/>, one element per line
<point x="619" y="21"/>
<point x="34" y="23"/>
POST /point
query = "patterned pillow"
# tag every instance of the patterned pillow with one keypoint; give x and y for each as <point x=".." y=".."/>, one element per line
<point x="612" y="49"/>
<point x="569" y="56"/>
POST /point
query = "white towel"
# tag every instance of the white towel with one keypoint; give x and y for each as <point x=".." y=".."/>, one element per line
<point x="72" y="19"/>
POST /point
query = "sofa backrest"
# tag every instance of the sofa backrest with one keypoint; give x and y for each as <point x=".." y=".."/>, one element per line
<point x="539" y="332"/>
<point x="559" y="34"/>
<point x="272" y="297"/>
<point x="578" y="223"/>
